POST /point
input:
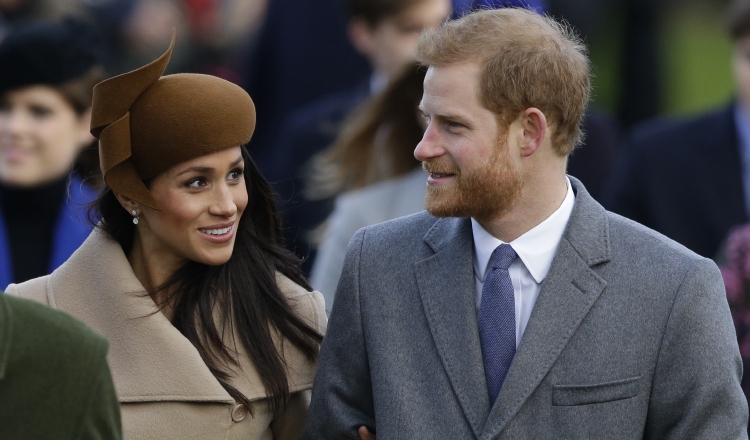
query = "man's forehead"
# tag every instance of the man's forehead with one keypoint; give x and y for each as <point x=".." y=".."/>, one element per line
<point x="451" y="88"/>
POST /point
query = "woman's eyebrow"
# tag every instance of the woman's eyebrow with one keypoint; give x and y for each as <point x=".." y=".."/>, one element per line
<point x="207" y="169"/>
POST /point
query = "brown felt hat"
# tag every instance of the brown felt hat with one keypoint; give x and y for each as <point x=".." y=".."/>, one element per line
<point x="147" y="123"/>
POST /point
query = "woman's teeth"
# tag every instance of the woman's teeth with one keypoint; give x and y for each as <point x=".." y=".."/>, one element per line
<point x="221" y="231"/>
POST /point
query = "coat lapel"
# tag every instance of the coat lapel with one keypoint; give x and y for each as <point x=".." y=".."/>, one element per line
<point x="566" y="296"/>
<point x="149" y="358"/>
<point x="446" y="286"/>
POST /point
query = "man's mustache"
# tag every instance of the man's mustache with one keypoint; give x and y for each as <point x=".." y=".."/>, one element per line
<point x="437" y="166"/>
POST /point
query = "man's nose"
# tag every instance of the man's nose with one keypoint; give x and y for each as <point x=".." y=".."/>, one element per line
<point x="430" y="146"/>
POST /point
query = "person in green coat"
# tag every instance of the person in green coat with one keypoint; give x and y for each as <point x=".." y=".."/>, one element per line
<point x="54" y="378"/>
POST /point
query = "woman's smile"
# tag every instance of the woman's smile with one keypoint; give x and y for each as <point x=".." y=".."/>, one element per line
<point x="218" y="233"/>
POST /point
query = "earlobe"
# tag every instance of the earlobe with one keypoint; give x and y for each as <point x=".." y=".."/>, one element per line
<point x="128" y="204"/>
<point x="534" y="125"/>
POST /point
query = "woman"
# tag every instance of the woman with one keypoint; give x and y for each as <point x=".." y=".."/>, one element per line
<point x="372" y="170"/>
<point x="224" y="341"/>
<point x="46" y="81"/>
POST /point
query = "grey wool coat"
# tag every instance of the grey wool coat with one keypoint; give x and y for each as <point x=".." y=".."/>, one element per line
<point x="631" y="337"/>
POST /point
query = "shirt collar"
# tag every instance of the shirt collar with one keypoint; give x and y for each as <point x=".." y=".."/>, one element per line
<point x="536" y="248"/>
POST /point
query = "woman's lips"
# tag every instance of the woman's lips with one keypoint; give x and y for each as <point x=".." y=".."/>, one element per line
<point x="218" y="234"/>
<point x="14" y="154"/>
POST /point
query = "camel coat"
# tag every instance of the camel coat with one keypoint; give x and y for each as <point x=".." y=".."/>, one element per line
<point x="165" y="389"/>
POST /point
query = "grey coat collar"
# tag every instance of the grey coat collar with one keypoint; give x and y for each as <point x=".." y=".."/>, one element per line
<point x="446" y="287"/>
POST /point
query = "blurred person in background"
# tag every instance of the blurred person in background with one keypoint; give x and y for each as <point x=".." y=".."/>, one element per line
<point x="48" y="159"/>
<point x="301" y="53"/>
<point x="734" y="262"/>
<point x="213" y="330"/>
<point x="386" y="33"/>
<point x="371" y="171"/>
<point x="54" y="367"/>
<point x="17" y="12"/>
<point x="690" y="178"/>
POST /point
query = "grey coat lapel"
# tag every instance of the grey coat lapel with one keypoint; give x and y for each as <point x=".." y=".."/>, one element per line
<point x="446" y="286"/>
<point x="567" y="294"/>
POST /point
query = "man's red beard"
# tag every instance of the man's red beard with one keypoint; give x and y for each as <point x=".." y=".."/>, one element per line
<point x="484" y="193"/>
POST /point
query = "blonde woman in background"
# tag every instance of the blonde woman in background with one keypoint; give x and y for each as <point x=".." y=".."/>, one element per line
<point x="372" y="168"/>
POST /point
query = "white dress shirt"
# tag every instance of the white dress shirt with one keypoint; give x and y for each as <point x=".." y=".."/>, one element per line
<point x="535" y="249"/>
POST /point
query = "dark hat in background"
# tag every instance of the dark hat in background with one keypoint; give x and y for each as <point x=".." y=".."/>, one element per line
<point x="48" y="53"/>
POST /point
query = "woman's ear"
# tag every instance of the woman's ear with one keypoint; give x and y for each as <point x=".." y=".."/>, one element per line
<point x="84" y="129"/>
<point x="534" y="125"/>
<point x="129" y="204"/>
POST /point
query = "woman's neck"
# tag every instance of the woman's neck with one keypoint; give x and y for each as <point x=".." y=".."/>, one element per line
<point x="153" y="270"/>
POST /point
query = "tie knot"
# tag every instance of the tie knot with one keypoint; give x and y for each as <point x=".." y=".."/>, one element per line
<point x="503" y="256"/>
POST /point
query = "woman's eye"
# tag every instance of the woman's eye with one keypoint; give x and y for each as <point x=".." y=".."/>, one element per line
<point x="236" y="174"/>
<point x="195" y="183"/>
<point x="40" y="111"/>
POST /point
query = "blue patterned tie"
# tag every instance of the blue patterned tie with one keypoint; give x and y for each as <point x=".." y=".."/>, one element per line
<point x="497" y="320"/>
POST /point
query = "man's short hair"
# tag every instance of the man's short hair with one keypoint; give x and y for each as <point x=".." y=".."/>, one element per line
<point x="738" y="19"/>
<point x="373" y="12"/>
<point x="528" y="60"/>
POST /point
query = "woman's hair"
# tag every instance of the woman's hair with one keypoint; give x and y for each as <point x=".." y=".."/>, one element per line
<point x="376" y="143"/>
<point x="243" y="291"/>
<point x="66" y="56"/>
<point x="79" y="93"/>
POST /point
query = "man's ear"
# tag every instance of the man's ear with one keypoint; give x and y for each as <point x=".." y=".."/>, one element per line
<point x="534" y="126"/>
<point x="361" y="36"/>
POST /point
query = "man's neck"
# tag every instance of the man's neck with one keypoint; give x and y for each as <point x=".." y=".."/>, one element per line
<point x="538" y="200"/>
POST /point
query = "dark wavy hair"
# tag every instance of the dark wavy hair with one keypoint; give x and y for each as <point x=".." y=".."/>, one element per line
<point x="243" y="291"/>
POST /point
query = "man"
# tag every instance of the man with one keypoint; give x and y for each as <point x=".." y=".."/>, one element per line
<point x="690" y="178"/>
<point x="386" y="33"/>
<point x="518" y="307"/>
<point x="54" y="378"/>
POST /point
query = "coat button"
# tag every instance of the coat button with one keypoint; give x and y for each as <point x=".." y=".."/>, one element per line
<point x="239" y="412"/>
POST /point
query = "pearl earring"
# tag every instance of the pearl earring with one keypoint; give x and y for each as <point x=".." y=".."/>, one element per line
<point x="135" y="216"/>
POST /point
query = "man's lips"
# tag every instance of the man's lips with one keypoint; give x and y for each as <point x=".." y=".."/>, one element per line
<point x="434" y="175"/>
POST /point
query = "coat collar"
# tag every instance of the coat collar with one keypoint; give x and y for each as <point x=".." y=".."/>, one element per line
<point x="446" y="286"/>
<point x="71" y="229"/>
<point x="149" y="358"/>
